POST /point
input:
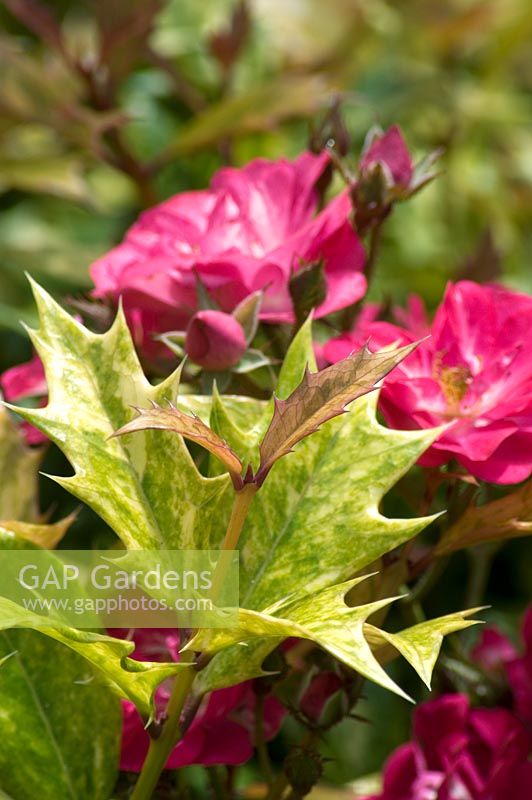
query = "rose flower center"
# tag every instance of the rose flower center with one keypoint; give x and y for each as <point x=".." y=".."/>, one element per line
<point x="454" y="383"/>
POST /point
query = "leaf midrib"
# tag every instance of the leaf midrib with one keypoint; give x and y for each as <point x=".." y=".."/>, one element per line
<point x="266" y="561"/>
<point x="42" y="713"/>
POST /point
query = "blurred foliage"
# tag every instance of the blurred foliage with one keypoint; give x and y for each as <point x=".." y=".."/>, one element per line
<point x="108" y="106"/>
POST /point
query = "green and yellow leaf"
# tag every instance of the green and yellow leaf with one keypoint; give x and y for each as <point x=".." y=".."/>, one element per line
<point x="146" y="487"/>
<point x="134" y="680"/>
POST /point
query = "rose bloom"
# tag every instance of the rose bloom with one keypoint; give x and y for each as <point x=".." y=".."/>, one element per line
<point x="460" y="753"/>
<point x="24" y="381"/>
<point x="250" y="230"/>
<point x="496" y="653"/>
<point x="474" y="372"/>
<point x="222" y="730"/>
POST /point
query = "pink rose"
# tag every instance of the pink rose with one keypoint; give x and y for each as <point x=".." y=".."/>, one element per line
<point x="250" y="230"/>
<point x="460" y="753"/>
<point x="495" y="653"/>
<point x="474" y="372"/>
<point x="23" y="381"/>
<point x="222" y="730"/>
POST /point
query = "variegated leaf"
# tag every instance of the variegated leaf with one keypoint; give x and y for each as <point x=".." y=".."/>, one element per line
<point x="314" y="523"/>
<point x="316" y="520"/>
<point x="146" y="487"/>
<point x="60" y="727"/>
<point x="420" y="645"/>
<point x="190" y="427"/>
<point x="328" y="621"/>
<point x="324" y="618"/>
<point x="134" y="680"/>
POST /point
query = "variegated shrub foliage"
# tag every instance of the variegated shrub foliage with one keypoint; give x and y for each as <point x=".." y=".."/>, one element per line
<point x="312" y="534"/>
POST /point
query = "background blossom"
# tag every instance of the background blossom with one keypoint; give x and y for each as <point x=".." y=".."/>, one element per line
<point x="460" y="753"/>
<point x="26" y="381"/>
<point x="474" y="372"/>
<point x="250" y="230"/>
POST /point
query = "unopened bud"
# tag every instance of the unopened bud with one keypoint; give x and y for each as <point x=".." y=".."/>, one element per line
<point x="215" y="340"/>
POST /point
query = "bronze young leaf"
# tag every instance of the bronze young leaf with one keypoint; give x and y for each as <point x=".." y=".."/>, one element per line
<point x="190" y="427"/>
<point x="321" y="396"/>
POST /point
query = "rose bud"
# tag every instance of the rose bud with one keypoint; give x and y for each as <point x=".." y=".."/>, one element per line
<point x="215" y="340"/>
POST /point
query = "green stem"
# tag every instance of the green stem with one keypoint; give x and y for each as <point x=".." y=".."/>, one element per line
<point x="161" y="747"/>
<point x="239" y="512"/>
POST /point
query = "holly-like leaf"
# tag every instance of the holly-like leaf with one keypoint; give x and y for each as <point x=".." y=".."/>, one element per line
<point x="316" y="520"/>
<point x="314" y="523"/>
<point x="420" y="645"/>
<point x="190" y="427"/>
<point x="147" y="486"/>
<point x="329" y="622"/>
<point x="19" y="512"/>
<point x="321" y="396"/>
<point x="60" y="727"/>
<point x="323" y="618"/>
<point x="506" y="518"/>
<point x="134" y="680"/>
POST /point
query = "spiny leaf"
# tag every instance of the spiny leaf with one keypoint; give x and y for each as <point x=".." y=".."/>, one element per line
<point x="134" y="680"/>
<point x="321" y="396"/>
<point x="506" y="518"/>
<point x="146" y="487"/>
<point x="323" y="618"/>
<point x="420" y="645"/>
<point x="343" y="631"/>
<point x="190" y="427"/>
<point x="316" y="520"/>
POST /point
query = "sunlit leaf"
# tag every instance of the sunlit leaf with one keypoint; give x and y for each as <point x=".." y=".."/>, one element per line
<point x="146" y="487"/>
<point x="40" y="534"/>
<point x="135" y="680"/>
<point x="190" y="427"/>
<point x="19" y="465"/>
